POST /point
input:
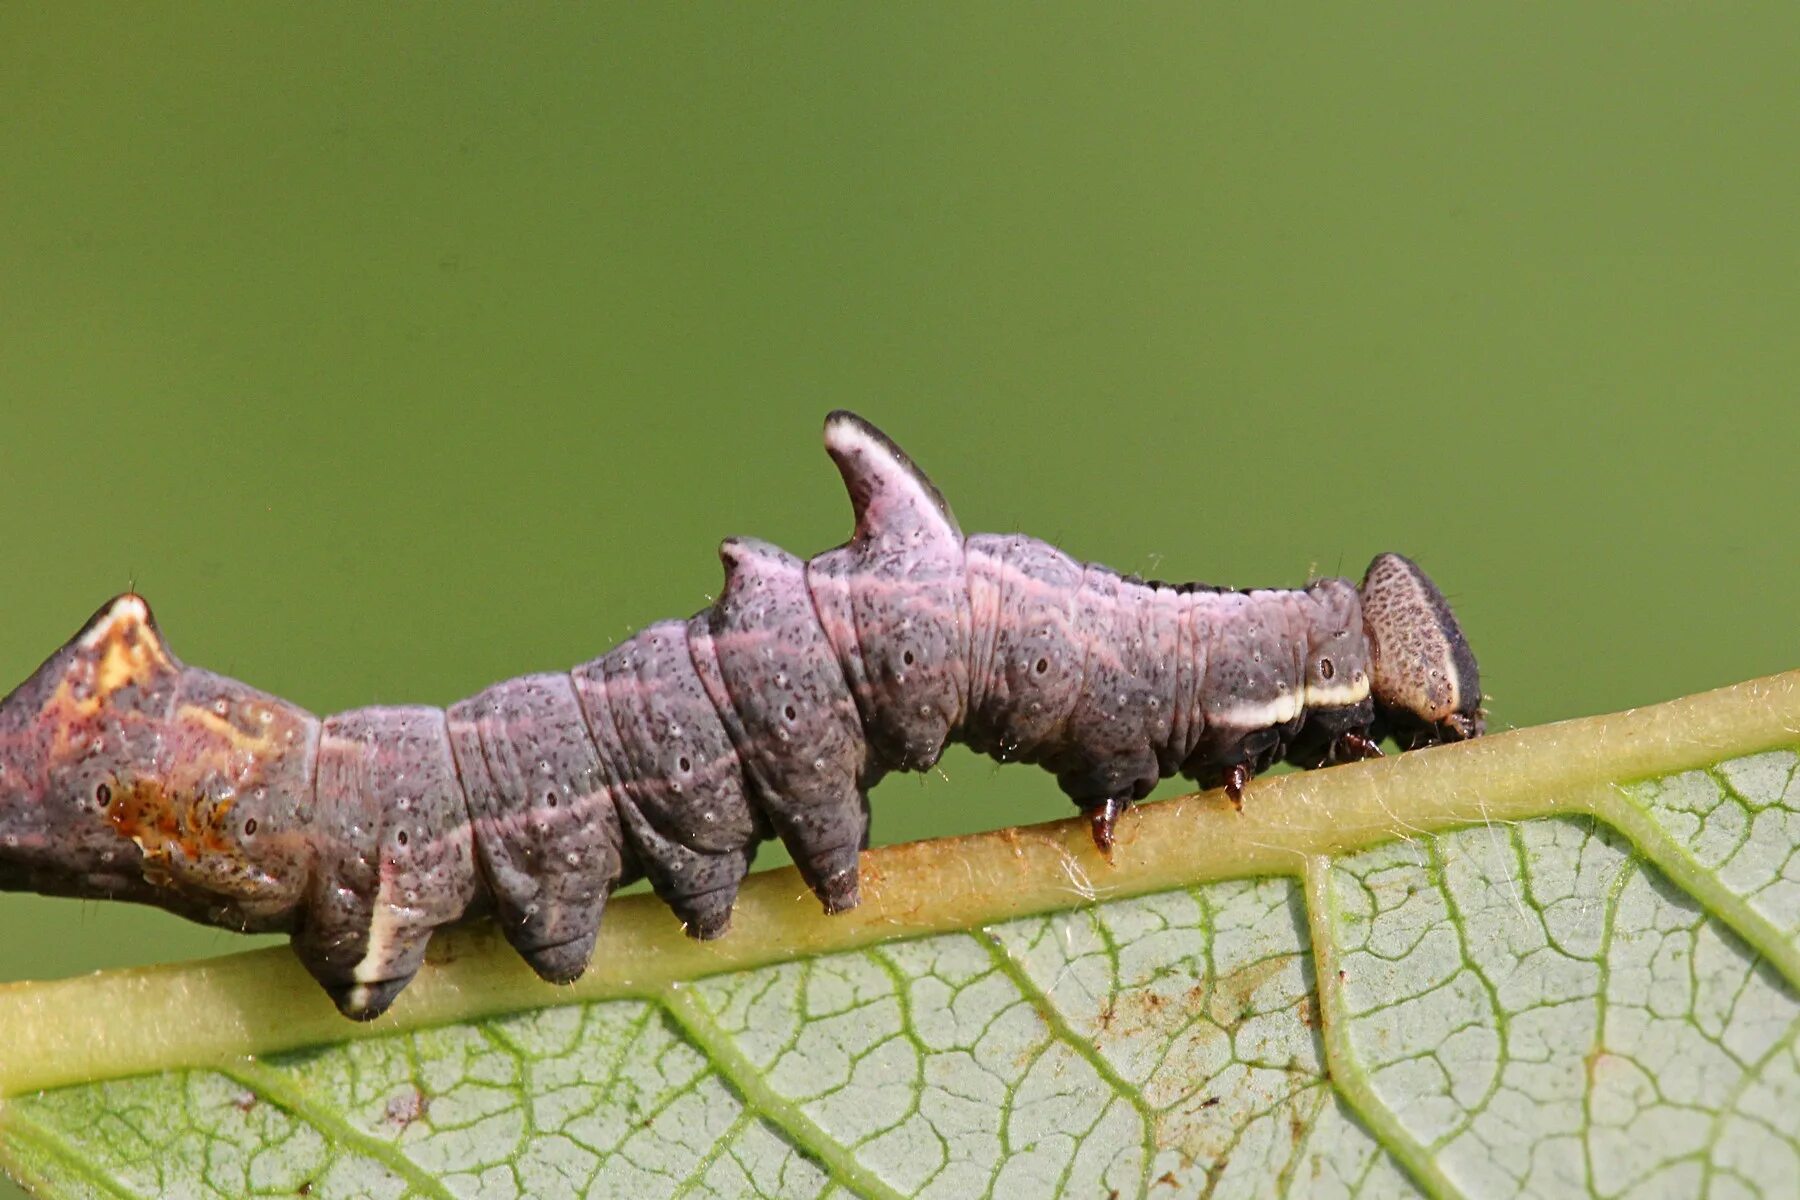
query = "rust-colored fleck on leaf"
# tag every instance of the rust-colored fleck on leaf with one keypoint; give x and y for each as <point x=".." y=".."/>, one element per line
<point x="406" y="1107"/>
<point x="1235" y="993"/>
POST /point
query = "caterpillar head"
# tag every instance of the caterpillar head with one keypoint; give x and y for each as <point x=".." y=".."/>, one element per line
<point x="1424" y="682"/>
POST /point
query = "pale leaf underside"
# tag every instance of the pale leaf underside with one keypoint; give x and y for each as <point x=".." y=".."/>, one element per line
<point x="1563" y="961"/>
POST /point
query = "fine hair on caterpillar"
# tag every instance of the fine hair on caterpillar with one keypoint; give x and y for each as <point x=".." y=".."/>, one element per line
<point x="126" y="774"/>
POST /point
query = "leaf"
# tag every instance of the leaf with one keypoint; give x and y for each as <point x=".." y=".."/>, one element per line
<point x="1553" y="962"/>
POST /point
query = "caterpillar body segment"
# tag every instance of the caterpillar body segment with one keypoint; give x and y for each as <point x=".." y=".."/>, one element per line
<point x="395" y="854"/>
<point x="127" y="774"/>
<point x="782" y="694"/>
<point x="542" y="817"/>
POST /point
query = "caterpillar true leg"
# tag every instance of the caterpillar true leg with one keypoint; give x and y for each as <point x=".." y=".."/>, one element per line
<point x="1103" y="817"/>
<point x="1237" y="779"/>
<point x="1359" y="746"/>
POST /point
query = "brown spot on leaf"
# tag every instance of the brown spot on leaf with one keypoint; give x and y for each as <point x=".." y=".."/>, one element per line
<point x="1597" y="1062"/>
<point x="1148" y="1012"/>
<point x="406" y="1107"/>
<point x="1235" y="993"/>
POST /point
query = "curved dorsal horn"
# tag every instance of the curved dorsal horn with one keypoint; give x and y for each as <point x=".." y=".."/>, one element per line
<point x="891" y="497"/>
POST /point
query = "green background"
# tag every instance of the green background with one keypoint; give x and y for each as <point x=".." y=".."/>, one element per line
<point x="393" y="351"/>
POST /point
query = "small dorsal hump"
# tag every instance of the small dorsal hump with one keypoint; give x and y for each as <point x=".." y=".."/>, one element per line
<point x="891" y="497"/>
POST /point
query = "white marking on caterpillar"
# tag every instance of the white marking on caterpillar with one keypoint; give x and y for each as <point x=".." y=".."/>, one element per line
<point x="383" y="929"/>
<point x="127" y="610"/>
<point x="1339" y="695"/>
<point x="1279" y="711"/>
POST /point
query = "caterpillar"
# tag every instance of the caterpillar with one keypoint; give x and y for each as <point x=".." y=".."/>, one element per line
<point x="126" y="774"/>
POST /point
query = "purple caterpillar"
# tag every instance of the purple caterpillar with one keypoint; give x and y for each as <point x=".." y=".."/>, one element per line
<point x="125" y="774"/>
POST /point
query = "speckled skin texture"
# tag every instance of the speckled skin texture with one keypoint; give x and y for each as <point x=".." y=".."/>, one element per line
<point x="774" y="681"/>
<point x="1426" y="682"/>
<point x="395" y="856"/>
<point x="547" y="833"/>
<point x="125" y="774"/>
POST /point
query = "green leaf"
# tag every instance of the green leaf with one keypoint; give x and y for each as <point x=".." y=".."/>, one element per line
<point x="1555" y="962"/>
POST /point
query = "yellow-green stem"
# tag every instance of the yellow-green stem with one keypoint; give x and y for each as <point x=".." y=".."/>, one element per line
<point x="127" y="1022"/>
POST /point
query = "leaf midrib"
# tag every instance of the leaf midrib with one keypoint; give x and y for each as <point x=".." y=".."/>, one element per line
<point x="134" y="1021"/>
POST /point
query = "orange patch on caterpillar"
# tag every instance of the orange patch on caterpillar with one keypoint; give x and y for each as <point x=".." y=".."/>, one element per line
<point x="208" y="729"/>
<point x="163" y="823"/>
